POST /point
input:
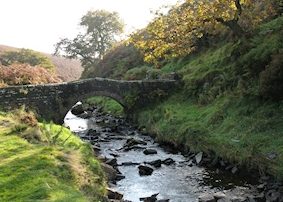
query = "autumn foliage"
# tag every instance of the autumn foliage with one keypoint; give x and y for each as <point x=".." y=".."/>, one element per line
<point x="22" y="74"/>
<point x="188" y="26"/>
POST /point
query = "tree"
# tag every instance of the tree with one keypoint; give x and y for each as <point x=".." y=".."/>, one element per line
<point x="101" y="29"/>
<point x="26" y="56"/>
<point x="183" y="29"/>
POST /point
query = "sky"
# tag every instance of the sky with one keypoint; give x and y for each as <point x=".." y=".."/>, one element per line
<point x="39" y="24"/>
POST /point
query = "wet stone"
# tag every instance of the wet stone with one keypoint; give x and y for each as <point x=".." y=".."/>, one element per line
<point x="145" y="170"/>
<point x="156" y="163"/>
<point x="152" y="198"/>
<point x="272" y="196"/>
<point x="112" y="194"/>
<point x="77" y="109"/>
<point x="96" y="148"/>
<point x="112" y="162"/>
<point x="119" y="177"/>
<point x="149" y="151"/>
<point x="219" y="195"/>
<point x="136" y="147"/>
<point x="206" y="198"/>
<point x="111" y="173"/>
<point x="129" y="164"/>
<point x="91" y="132"/>
<point x="132" y="142"/>
<point x="198" y="157"/>
<point x="168" y="161"/>
<point x="234" y="170"/>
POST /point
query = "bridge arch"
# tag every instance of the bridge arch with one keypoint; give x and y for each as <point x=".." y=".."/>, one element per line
<point x="119" y="99"/>
<point x="52" y="101"/>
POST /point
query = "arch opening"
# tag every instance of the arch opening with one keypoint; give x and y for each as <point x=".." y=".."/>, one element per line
<point x="106" y="104"/>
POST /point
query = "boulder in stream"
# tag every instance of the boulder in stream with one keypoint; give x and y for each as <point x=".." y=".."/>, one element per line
<point x="112" y="194"/>
<point x="149" y="151"/>
<point x="145" y="170"/>
<point x="111" y="173"/>
<point x="206" y="198"/>
<point x="111" y="162"/>
<point x="152" y="198"/>
<point x="77" y="109"/>
<point x="156" y="163"/>
<point x="168" y="161"/>
<point x="132" y="142"/>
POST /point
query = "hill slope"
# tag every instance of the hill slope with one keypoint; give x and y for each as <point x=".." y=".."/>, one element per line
<point x="67" y="69"/>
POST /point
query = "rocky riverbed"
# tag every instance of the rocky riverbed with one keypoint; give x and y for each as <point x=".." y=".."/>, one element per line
<point x="141" y="169"/>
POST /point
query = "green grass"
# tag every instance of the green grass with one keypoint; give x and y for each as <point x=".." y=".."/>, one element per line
<point x="34" y="168"/>
<point x="219" y="108"/>
<point x="244" y="130"/>
<point x="108" y="105"/>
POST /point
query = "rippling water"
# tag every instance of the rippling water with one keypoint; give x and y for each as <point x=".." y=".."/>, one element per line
<point x="178" y="182"/>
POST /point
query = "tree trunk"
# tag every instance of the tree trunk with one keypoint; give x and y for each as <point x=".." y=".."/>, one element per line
<point x="233" y="25"/>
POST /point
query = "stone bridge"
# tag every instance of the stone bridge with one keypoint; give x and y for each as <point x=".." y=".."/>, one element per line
<point x="52" y="101"/>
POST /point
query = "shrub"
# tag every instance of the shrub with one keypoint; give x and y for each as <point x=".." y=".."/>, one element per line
<point x="271" y="79"/>
<point x="136" y="73"/>
<point x="22" y="74"/>
<point x="116" y="62"/>
<point x="26" y="56"/>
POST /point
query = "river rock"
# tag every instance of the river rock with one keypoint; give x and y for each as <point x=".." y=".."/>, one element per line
<point x="145" y="170"/>
<point x="112" y="194"/>
<point x="206" y="198"/>
<point x="149" y="151"/>
<point x="111" y="173"/>
<point x="112" y="162"/>
<point x="272" y="196"/>
<point x="259" y="197"/>
<point x="132" y="142"/>
<point x="168" y="161"/>
<point x="77" y="109"/>
<point x="136" y="147"/>
<point x="219" y="195"/>
<point x="85" y="115"/>
<point x="156" y="163"/>
<point x="198" y="157"/>
<point x="234" y="170"/>
<point x="152" y="198"/>
<point x="92" y="132"/>
<point x="96" y="148"/>
<point x="119" y="177"/>
<point x="129" y="164"/>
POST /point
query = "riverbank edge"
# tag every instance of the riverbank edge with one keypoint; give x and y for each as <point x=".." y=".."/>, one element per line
<point x="169" y="123"/>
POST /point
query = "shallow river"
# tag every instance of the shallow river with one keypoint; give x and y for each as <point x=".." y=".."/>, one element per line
<point x="180" y="181"/>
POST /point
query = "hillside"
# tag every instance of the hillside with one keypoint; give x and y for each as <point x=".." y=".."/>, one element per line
<point x="67" y="69"/>
<point x="230" y="104"/>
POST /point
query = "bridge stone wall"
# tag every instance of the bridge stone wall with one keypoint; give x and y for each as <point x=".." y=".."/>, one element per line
<point x="52" y="101"/>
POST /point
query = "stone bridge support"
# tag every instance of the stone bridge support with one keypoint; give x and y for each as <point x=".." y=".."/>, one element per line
<point x="52" y="101"/>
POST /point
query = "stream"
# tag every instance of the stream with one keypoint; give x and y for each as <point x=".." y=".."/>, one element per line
<point x="146" y="168"/>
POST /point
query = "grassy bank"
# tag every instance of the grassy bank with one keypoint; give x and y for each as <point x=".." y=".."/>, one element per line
<point x="230" y="103"/>
<point x="245" y="131"/>
<point x="43" y="161"/>
<point x="108" y="105"/>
